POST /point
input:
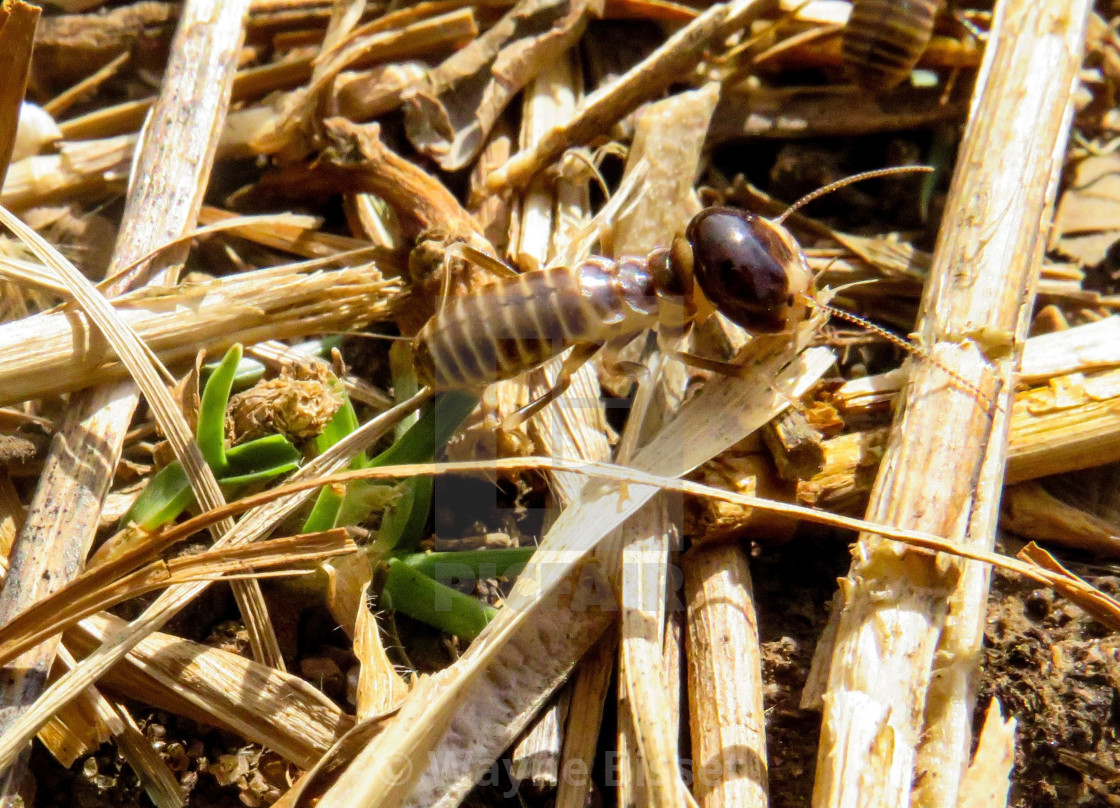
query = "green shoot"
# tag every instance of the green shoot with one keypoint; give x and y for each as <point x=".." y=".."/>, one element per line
<point x="415" y="594"/>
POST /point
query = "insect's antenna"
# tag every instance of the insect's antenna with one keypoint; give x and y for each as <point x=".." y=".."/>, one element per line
<point x="905" y="345"/>
<point x="835" y="186"/>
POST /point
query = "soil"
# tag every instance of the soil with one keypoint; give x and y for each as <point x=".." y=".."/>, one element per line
<point x="1058" y="672"/>
<point x="1053" y="668"/>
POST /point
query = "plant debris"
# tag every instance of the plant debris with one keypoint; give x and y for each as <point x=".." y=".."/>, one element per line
<point x="249" y="558"/>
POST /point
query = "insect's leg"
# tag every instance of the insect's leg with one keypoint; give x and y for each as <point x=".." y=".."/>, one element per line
<point x="473" y="255"/>
<point x="445" y="283"/>
<point x="573" y="362"/>
<point x="620" y="367"/>
<point x="741" y="371"/>
<point x="714" y="365"/>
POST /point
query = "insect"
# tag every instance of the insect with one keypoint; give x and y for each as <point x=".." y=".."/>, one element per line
<point x="884" y="39"/>
<point x="747" y="267"/>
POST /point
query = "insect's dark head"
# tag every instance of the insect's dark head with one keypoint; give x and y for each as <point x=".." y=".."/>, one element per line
<point x="750" y="268"/>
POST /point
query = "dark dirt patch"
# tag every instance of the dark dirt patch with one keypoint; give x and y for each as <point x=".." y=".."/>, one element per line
<point x="1053" y="668"/>
<point x="793" y="585"/>
<point x="1058" y="672"/>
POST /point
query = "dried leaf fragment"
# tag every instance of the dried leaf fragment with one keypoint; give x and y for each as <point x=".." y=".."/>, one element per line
<point x="1086" y="222"/>
<point x="450" y="116"/>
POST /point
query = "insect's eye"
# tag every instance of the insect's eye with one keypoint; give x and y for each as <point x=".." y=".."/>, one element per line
<point x="743" y="264"/>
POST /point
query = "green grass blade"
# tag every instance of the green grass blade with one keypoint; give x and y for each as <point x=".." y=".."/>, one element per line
<point x="418" y="596"/>
<point x="445" y="567"/>
<point x="165" y="496"/>
<point x="436" y="425"/>
<point x="432" y="430"/>
<point x="324" y="513"/>
<point x="211" y="430"/>
<point x="344" y="422"/>
<point x="259" y="475"/>
<point x="248" y="373"/>
<point x="403" y="525"/>
<point x="262" y="453"/>
<point x="328" y="504"/>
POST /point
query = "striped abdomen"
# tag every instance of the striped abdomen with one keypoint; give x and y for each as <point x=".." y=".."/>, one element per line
<point x="517" y="323"/>
<point x="884" y="39"/>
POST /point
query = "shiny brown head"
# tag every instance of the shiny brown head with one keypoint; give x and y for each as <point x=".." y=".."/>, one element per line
<point x="749" y="268"/>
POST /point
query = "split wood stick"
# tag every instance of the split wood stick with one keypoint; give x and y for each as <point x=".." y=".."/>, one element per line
<point x="49" y="354"/>
<point x="669" y="138"/>
<point x="987" y="783"/>
<point x="649" y="713"/>
<point x="84" y="168"/>
<point x="1070" y="424"/>
<point x="170" y="178"/>
<point x="724" y="679"/>
<point x="647" y="80"/>
<point x="1030" y="511"/>
<point x="581" y="733"/>
<point x="944" y="464"/>
<point x="1082" y="349"/>
<point x="575" y="425"/>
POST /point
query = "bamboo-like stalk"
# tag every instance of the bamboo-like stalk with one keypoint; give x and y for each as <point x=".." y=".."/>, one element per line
<point x="590" y="683"/>
<point x="669" y="138"/>
<point x="648" y="710"/>
<point x="574" y="425"/>
<point x="903" y="670"/>
<point x="724" y="679"/>
<point x="170" y="180"/>
<point x="50" y="354"/>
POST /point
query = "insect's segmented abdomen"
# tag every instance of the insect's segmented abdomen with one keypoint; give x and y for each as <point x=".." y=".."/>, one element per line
<point x="884" y="39"/>
<point x="517" y="323"/>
